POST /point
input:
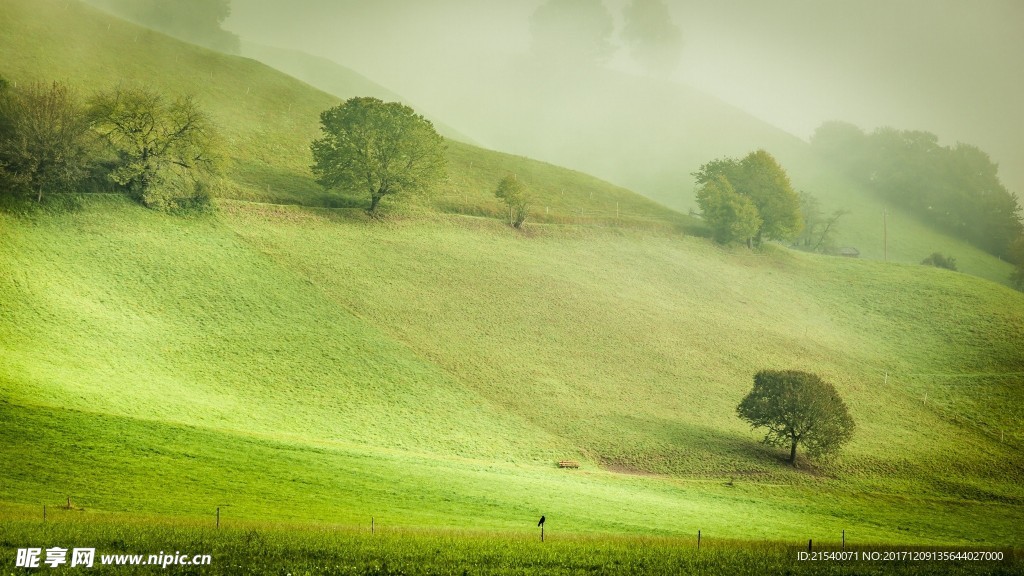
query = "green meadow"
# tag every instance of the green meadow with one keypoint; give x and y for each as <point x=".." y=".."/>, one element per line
<point x="305" y="368"/>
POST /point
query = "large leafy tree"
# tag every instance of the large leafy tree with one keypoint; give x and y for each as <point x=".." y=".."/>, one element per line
<point x="759" y="178"/>
<point x="655" y="41"/>
<point x="166" y="148"/>
<point x="381" y="147"/>
<point x="797" y="408"/>
<point x="45" y="143"/>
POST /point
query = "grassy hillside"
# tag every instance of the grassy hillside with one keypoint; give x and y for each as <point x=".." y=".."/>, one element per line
<point x="313" y="365"/>
<point x="310" y="364"/>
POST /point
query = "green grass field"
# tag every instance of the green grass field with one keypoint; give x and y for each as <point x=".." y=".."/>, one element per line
<point x="431" y="370"/>
<point x="305" y="367"/>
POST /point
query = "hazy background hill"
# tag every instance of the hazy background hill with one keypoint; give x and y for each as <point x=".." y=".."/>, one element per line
<point x="336" y="79"/>
<point x="644" y="133"/>
<point x="947" y="67"/>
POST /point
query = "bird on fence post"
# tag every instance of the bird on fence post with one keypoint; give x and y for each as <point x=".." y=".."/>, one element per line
<point x="541" y="524"/>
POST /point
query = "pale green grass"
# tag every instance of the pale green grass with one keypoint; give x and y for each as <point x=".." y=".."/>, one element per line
<point x="639" y="348"/>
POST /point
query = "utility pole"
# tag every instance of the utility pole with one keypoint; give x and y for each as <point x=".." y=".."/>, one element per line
<point x="885" y="234"/>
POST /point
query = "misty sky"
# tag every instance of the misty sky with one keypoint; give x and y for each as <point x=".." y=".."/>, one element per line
<point x="947" y="66"/>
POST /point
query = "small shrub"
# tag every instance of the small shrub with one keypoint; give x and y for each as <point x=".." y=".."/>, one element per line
<point x="939" y="261"/>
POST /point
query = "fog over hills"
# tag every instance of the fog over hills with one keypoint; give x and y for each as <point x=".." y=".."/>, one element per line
<point x="942" y="66"/>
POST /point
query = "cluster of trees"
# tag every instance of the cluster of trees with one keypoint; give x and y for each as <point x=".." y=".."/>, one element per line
<point x="581" y="32"/>
<point x="956" y="188"/>
<point x="748" y="200"/>
<point x="160" y="151"/>
<point x="195" y="21"/>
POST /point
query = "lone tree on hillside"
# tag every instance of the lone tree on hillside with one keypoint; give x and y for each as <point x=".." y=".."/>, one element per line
<point x="513" y="193"/>
<point x="760" y="178"/>
<point x="797" y="408"/>
<point x="383" y="148"/>
<point x="166" y="149"/>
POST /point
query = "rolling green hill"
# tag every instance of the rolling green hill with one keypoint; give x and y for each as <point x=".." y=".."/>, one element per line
<point x="305" y="363"/>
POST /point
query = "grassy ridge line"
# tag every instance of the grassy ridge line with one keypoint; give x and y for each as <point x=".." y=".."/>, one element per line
<point x="267" y="118"/>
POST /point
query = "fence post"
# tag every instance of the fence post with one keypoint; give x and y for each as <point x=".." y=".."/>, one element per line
<point x="844" y="539"/>
<point x="698" y="539"/>
<point x="44" y="512"/>
<point x="218" y="516"/>
<point x="371" y="525"/>
<point x="808" y="545"/>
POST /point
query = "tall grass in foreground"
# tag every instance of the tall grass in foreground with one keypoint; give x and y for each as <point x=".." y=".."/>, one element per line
<point x="321" y="549"/>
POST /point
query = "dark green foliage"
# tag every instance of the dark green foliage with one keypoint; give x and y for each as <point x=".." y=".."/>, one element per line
<point x="731" y="217"/>
<point x="797" y="408"/>
<point x="1017" y="278"/>
<point x="165" y="150"/>
<point x="45" y="143"/>
<point x="196" y="21"/>
<point x="654" y="40"/>
<point x="939" y="261"/>
<point x="572" y="32"/>
<point x="1015" y="254"/>
<point x="759" y="178"/>
<point x="382" y="148"/>
<point x="513" y="193"/>
<point x="956" y="188"/>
